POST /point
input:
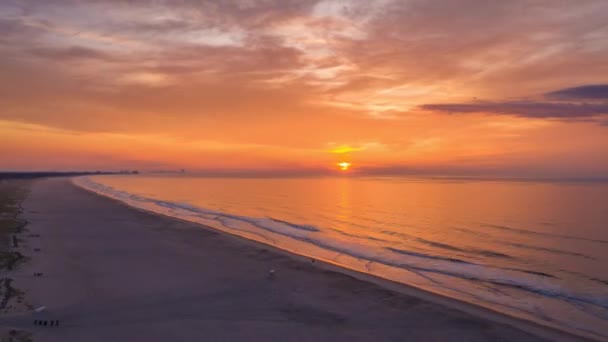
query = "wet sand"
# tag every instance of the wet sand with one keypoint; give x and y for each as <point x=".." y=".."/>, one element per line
<point x="110" y="272"/>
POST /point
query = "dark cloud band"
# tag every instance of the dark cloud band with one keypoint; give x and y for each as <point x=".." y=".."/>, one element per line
<point x="587" y="92"/>
<point x="523" y="109"/>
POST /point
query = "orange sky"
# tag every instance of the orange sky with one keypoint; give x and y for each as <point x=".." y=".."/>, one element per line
<point x="509" y="88"/>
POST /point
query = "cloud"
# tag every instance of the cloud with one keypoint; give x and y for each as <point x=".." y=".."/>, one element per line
<point x="542" y="110"/>
<point x="583" y="103"/>
<point x="71" y="53"/>
<point x="586" y="92"/>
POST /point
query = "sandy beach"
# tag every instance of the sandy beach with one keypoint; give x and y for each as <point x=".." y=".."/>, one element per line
<point x="104" y="271"/>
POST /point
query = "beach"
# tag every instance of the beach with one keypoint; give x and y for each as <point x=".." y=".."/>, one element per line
<point x="104" y="271"/>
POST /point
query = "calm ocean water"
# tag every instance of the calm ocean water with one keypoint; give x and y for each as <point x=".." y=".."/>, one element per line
<point x="536" y="250"/>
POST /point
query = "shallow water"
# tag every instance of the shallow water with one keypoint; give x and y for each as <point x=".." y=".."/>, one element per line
<point x="536" y="250"/>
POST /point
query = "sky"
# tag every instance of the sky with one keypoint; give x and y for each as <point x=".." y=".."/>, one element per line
<point x="462" y="87"/>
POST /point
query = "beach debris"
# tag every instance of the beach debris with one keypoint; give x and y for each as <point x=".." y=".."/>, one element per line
<point x="37" y="274"/>
<point x="271" y="274"/>
<point x="40" y="309"/>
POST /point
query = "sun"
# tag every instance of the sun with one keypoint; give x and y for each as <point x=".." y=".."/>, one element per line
<point x="344" y="166"/>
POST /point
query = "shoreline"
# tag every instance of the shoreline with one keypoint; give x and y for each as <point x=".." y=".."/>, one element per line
<point x="538" y="329"/>
<point x="112" y="271"/>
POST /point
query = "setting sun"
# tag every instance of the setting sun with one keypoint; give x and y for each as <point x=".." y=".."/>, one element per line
<point x="344" y="166"/>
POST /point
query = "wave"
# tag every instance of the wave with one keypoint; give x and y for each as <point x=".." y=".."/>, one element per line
<point x="398" y="234"/>
<point x="551" y="235"/>
<point x="297" y="226"/>
<point x="601" y="281"/>
<point x="364" y="237"/>
<point x="471" y="231"/>
<point x="538" y="273"/>
<point x="549" y="250"/>
<point x="440" y="245"/>
<point x="491" y="254"/>
<point x="426" y="256"/>
<point x="554" y="292"/>
<point x="482" y="252"/>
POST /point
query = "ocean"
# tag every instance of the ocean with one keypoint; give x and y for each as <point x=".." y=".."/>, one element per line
<point x="534" y="250"/>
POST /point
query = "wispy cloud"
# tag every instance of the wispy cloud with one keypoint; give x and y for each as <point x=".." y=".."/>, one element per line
<point x="71" y="53"/>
